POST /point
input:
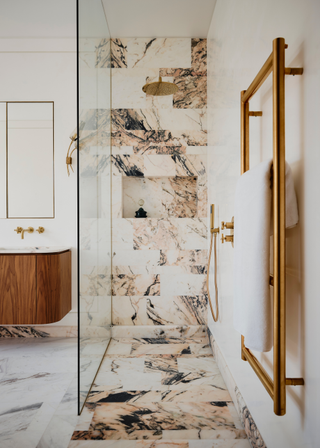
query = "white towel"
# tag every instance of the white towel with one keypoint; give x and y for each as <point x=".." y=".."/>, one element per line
<point x="252" y="218"/>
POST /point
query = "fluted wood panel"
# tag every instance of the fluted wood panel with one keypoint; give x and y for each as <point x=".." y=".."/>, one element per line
<point x="53" y="286"/>
<point x="18" y="289"/>
<point x="34" y="289"/>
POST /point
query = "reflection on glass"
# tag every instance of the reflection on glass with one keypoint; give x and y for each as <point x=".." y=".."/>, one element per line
<point x="94" y="192"/>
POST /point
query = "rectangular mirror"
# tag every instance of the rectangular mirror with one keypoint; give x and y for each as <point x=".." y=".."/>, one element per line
<point x="3" y="161"/>
<point x="29" y="150"/>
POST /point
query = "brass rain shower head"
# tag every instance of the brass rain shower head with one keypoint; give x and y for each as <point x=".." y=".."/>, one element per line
<point x="160" y="88"/>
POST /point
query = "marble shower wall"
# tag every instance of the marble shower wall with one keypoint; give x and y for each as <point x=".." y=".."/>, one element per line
<point x="159" y="154"/>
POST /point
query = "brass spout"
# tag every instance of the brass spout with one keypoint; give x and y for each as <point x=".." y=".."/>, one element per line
<point x="21" y="230"/>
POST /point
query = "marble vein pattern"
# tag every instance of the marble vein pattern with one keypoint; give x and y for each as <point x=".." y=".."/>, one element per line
<point x="159" y="155"/>
<point x="141" y="140"/>
<point x="131" y="285"/>
<point x="158" y="52"/>
<point x="103" y="54"/>
<point x="163" y="196"/>
<point x="118" y="53"/>
<point x="160" y="391"/>
<point x="177" y="310"/>
<point x="37" y="383"/>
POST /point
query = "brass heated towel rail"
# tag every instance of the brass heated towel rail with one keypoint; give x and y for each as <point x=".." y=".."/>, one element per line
<point x="275" y="64"/>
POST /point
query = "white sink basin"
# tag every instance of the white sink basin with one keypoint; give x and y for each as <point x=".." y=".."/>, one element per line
<point x="33" y="250"/>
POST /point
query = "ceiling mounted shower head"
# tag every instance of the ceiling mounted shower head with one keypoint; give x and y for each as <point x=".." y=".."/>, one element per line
<point x="160" y="88"/>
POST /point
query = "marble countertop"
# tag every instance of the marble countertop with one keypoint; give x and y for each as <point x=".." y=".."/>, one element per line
<point x="33" y="250"/>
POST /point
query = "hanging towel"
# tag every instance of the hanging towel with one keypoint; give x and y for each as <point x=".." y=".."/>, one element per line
<point x="252" y="218"/>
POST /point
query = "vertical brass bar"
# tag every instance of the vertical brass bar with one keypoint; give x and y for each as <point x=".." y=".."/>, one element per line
<point x="244" y="134"/>
<point x="243" y="357"/>
<point x="279" y="227"/>
<point x="244" y="162"/>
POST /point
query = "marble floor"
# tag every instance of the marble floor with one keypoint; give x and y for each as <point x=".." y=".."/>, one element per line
<point x="38" y="390"/>
<point x="149" y="392"/>
<point x="165" y="392"/>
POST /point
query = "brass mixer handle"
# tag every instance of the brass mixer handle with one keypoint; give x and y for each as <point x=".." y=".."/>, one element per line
<point x="227" y="238"/>
<point x="227" y="225"/>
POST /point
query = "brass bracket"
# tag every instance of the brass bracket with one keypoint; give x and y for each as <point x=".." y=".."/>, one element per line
<point x="293" y="71"/>
<point x="294" y="382"/>
<point x="255" y="114"/>
<point x="69" y="154"/>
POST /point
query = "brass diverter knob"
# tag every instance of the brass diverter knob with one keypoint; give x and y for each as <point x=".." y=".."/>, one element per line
<point x="227" y="238"/>
<point x="40" y="230"/>
<point x="227" y="225"/>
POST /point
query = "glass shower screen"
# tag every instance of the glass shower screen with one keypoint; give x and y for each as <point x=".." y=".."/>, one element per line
<point x="94" y="190"/>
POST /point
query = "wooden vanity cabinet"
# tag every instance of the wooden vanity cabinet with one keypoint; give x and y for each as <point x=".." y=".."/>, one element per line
<point x="34" y="288"/>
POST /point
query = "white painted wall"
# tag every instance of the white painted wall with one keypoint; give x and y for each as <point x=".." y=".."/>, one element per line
<point x="40" y="69"/>
<point x="239" y="41"/>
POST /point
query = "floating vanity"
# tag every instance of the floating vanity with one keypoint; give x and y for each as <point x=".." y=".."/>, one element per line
<point x="35" y="285"/>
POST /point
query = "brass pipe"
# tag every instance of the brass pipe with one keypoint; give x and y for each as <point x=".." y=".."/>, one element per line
<point x="244" y="162"/>
<point x="260" y="371"/>
<point x="244" y="134"/>
<point x="279" y="228"/>
<point x="242" y="349"/>
<point x="259" y="79"/>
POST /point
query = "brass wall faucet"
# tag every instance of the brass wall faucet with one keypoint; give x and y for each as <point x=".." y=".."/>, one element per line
<point x="21" y="230"/>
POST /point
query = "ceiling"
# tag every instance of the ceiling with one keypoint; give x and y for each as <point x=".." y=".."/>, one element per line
<point x="161" y="18"/>
<point x="126" y="18"/>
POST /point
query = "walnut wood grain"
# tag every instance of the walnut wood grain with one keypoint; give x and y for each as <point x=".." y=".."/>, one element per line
<point x="35" y="288"/>
<point x="53" y="286"/>
<point x="18" y="289"/>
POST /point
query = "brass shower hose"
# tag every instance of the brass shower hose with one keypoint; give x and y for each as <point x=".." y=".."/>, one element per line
<point x="215" y="317"/>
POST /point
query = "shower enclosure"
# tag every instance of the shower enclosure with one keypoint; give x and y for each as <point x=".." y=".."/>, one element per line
<point x="94" y="191"/>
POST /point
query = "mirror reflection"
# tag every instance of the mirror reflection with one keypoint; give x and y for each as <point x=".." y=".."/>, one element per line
<point x="27" y="147"/>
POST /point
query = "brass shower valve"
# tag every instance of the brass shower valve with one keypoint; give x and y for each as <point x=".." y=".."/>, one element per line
<point x="227" y="238"/>
<point x="227" y="225"/>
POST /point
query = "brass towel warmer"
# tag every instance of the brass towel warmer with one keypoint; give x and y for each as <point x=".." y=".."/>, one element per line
<point x="275" y="64"/>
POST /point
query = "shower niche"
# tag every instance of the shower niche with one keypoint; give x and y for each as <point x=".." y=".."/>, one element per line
<point x="163" y="196"/>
